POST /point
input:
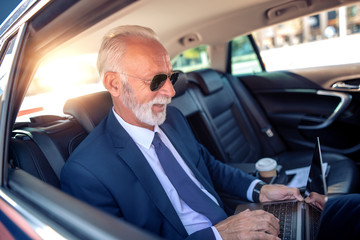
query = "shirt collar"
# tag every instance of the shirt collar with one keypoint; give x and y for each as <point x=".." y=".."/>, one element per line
<point x="140" y="135"/>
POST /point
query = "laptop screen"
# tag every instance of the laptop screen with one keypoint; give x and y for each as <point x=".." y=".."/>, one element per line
<point x="316" y="181"/>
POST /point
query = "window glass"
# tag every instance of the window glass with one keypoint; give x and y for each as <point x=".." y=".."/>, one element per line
<point x="243" y="57"/>
<point x="5" y="66"/>
<point x="58" y="79"/>
<point x="192" y="59"/>
<point x="328" y="38"/>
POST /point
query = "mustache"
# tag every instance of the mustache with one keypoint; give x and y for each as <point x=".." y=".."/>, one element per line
<point x="161" y="100"/>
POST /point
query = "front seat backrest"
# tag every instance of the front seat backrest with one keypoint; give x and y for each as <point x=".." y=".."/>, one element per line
<point x="89" y="109"/>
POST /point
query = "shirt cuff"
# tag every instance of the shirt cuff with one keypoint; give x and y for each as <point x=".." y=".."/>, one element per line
<point x="251" y="189"/>
<point x="216" y="233"/>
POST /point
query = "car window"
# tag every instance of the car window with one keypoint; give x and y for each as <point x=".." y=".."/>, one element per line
<point x="192" y="59"/>
<point x="5" y="65"/>
<point x="327" y="38"/>
<point x="243" y="56"/>
<point x="56" y="80"/>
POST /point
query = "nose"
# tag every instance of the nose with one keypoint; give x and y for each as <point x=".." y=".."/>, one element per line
<point x="167" y="89"/>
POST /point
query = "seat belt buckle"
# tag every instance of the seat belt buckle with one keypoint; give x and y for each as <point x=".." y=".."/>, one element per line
<point x="268" y="132"/>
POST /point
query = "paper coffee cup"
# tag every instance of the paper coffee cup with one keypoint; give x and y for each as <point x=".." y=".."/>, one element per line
<point x="266" y="167"/>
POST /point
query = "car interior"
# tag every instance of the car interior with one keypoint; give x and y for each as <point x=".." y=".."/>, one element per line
<point x="238" y="118"/>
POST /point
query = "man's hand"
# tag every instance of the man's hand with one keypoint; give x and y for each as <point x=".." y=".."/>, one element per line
<point x="249" y="225"/>
<point x="316" y="199"/>
<point x="279" y="192"/>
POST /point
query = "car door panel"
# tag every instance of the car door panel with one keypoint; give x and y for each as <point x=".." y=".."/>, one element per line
<point x="303" y="104"/>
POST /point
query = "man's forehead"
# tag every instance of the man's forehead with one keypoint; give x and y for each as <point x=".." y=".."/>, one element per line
<point x="146" y="47"/>
<point x="141" y="42"/>
<point x="147" y="66"/>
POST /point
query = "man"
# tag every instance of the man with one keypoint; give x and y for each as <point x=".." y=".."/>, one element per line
<point x="143" y="164"/>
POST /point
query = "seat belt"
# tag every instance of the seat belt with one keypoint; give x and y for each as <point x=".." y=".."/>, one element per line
<point x="250" y="105"/>
<point x="47" y="146"/>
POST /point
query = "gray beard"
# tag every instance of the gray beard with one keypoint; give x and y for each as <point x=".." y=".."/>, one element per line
<point x="143" y="112"/>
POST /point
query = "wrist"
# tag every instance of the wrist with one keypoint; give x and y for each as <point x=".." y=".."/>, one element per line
<point x="256" y="191"/>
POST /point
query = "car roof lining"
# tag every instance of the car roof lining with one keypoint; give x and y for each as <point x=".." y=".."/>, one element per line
<point x="183" y="21"/>
<point x="50" y="32"/>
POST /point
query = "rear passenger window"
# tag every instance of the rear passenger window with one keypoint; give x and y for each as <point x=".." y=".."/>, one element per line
<point x="58" y="79"/>
<point x="192" y="59"/>
<point x="324" y="39"/>
<point x="243" y="57"/>
<point x="5" y="65"/>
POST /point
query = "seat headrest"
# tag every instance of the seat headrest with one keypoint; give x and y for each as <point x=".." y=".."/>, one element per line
<point x="89" y="109"/>
<point x="209" y="80"/>
<point x="181" y="85"/>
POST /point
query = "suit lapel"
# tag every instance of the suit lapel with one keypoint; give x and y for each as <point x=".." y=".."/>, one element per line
<point x="129" y="152"/>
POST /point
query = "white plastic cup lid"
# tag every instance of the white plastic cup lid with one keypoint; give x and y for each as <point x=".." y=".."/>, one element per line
<point x="265" y="164"/>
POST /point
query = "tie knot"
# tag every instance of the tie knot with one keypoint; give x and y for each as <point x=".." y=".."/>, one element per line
<point x="156" y="141"/>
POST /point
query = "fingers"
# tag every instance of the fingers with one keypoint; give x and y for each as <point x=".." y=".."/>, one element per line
<point x="264" y="214"/>
<point x="297" y="195"/>
<point x="310" y="198"/>
<point x="279" y="192"/>
<point x="267" y="222"/>
<point x="314" y="203"/>
<point x="259" y="223"/>
<point x="260" y="220"/>
<point x="316" y="199"/>
<point x="292" y="193"/>
<point x="264" y="236"/>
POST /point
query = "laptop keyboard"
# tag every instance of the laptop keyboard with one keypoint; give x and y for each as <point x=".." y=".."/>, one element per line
<point x="315" y="220"/>
<point x="286" y="213"/>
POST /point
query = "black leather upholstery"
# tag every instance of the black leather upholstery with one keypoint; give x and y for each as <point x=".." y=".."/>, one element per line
<point x="225" y="118"/>
<point x="207" y="80"/>
<point x="26" y="155"/>
<point x="90" y="109"/>
<point x="59" y="139"/>
<point x="220" y="121"/>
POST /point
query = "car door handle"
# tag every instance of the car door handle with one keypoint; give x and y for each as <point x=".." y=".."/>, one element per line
<point x="345" y="100"/>
<point x="342" y="85"/>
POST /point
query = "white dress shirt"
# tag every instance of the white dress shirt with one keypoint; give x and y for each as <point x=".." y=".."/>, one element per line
<point x="192" y="220"/>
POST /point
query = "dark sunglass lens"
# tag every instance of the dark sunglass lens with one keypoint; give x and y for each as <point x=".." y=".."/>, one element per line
<point x="157" y="82"/>
<point x="174" y="77"/>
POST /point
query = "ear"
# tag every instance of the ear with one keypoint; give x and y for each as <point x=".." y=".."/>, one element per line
<point x="112" y="83"/>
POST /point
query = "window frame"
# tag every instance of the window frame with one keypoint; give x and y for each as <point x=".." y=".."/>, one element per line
<point x="5" y="100"/>
<point x="256" y="51"/>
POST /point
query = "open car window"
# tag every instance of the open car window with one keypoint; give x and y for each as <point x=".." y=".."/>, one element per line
<point x="327" y="38"/>
<point x="55" y="81"/>
<point x="5" y="65"/>
<point x="192" y="59"/>
<point x="244" y="59"/>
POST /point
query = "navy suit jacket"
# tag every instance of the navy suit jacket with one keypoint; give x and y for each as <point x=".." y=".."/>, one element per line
<point x="108" y="171"/>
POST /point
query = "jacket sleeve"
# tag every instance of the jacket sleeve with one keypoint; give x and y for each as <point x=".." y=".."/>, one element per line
<point x="87" y="187"/>
<point x="206" y="233"/>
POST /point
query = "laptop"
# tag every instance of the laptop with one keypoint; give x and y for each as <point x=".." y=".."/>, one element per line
<point x="298" y="220"/>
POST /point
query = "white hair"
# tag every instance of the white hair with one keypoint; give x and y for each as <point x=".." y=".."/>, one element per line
<point x="114" y="46"/>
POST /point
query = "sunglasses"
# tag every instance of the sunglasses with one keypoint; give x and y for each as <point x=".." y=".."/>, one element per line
<point x="159" y="80"/>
